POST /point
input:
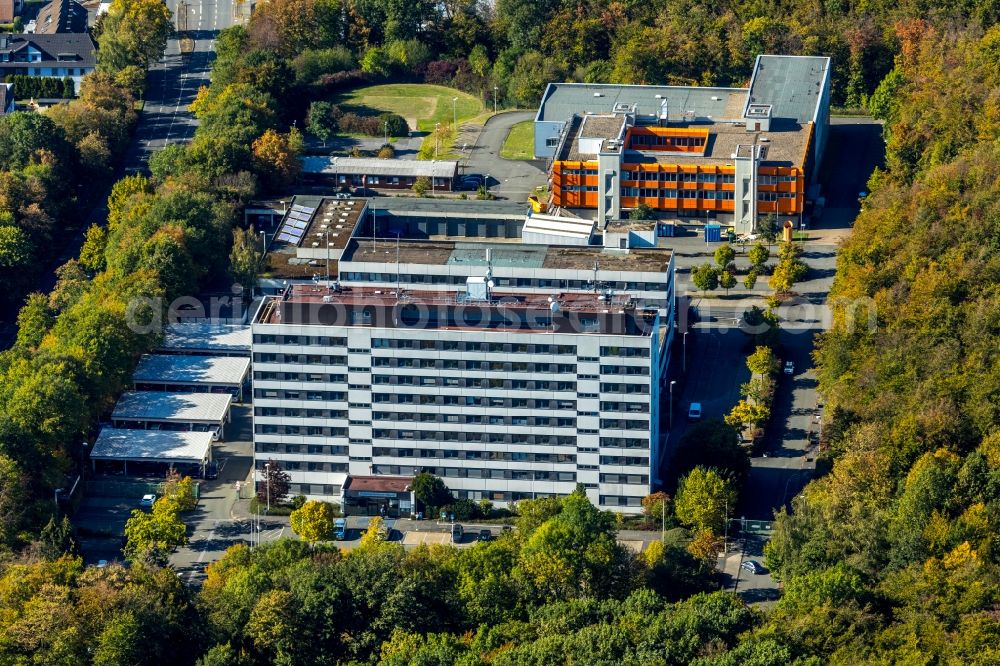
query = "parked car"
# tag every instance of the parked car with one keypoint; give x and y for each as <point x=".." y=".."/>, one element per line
<point x="694" y="411"/>
<point x="212" y="470"/>
<point x="484" y="535"/>
<point x="789" y="368"/>
<point x="101" y="564"/>
<point x="147" y="501"/>
<point x="340" y="529"/>
<point x="457" y="533"/>
<point x="753" y="566"/>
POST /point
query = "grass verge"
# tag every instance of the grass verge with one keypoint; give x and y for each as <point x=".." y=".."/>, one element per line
<point x="520" y="142"/>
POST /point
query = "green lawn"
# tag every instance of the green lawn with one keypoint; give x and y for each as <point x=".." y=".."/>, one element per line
<point x="421" y="104"/>
<point x="520" y="142"/>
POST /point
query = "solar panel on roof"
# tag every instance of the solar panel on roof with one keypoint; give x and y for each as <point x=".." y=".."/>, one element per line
<point x="303" y="209"/>
<point x="295" y="215"/>
<point x="295" y="233"/>
<point x="286" y="238"/>
<point x="296" y="224"/>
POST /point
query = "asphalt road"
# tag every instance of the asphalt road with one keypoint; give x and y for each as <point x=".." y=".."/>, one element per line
<point x="508" y="179"/>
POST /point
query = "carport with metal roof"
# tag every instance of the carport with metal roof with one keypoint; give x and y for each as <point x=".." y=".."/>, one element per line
<point x="157" y="410"/>
<point x="150" y="451"/>
<point x="199" y="374"/>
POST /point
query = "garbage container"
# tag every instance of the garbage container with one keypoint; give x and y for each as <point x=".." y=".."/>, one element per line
<point x="713" y="232"/>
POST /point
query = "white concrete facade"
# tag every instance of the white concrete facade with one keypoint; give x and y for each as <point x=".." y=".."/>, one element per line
<point x="498" y="415"/>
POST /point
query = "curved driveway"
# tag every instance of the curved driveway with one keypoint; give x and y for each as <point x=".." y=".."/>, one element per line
<point x="510" y="179"/>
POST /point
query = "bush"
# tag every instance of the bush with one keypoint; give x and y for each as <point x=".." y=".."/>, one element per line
<point x="371" y="125"/>
<point x="37" y="87"/>
<point x="440" y="72"/>
<point x="386" y="152"/>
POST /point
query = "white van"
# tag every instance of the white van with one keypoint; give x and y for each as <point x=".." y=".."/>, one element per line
<point x="694" y="411"/>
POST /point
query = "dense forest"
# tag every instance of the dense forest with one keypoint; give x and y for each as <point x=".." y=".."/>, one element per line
<point x="890" y="556"/>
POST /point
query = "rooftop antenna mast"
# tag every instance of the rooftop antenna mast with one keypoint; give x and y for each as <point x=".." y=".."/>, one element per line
<point x="597" y="265"/>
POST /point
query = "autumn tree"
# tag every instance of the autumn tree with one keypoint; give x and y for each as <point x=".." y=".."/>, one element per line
<point x="702" y="499"/>
<point x="274" y="483"/>
<point x="763" y="361"/>
<point x="150" y="536"/>
<point x="276" y="158"/>
<point x="132" y="32"/>
<point x="313" y="521"/>
<point x="244" y="259"/>
<point x="746" y="414"/>
<point x="705" y="277"/>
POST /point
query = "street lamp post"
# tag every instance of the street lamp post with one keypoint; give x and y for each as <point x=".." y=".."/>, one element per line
<point x="385" y="126"/>
<point x="672" y="382"/>
<point x="454" y="114"/>
<point x="495" y="89"/>
<point x="267" y="484"/>
<point x="684" y="355"/>
<point x="437" y="139"/>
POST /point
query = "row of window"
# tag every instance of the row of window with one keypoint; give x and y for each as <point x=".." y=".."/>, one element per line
<point x="497" y="383"/>
<point x="455" y="364"/>
<point x="301" y="340"/>
<point x="475" y="473"/>
<point x="666" y="141"/>
<point x="301" y="413"/>
<point x="287" y="394"/>
<point x="300" y="377"/>
<point x="774" y="196"/>
<point x="624" y="370"/>
<point x="673" y="177"/>
<point x="620" y="500"/>
<point x="309" y="431"/>
<point x="624" y="443"/>
<point x="299" y="359"/>
<point x="624" y="424"/>
<point x="473" y="401"/>
<point x="313" y="489"/>
<point x="625" y="478"/>
<point x="311" y="449"/>
<point x="457" y="454"/>
<point x="628" y="352"/>
<point x="477" y="437"/>
<point x="458" y="345"/>
<point x="476" y="419"/>
<point x="608" y="387"/>
<point x="500" y="282"/>
<point x="676" y="194"/>
<point x="625" y="460"/>
<point x="578" y="188"/>
<point x="608" y="406"/>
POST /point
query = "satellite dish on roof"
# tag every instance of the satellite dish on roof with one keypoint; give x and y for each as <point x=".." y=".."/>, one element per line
<point x="490" y="284"/>
<point x="554" y="306"/>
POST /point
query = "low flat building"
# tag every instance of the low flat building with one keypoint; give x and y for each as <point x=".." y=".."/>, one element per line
<point x="150" y="452"/>
<point x="197" y="374"/>
<point x="379" y="174"/>
<point x="158" y="410"/>
<point x="389" y="496"/>
<point x="206" y="339"/>
<point x="62" y="55"/>
<point x="728" y="153"/>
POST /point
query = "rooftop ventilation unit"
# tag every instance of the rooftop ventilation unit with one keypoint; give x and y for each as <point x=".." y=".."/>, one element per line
<point x="598" y="94"/>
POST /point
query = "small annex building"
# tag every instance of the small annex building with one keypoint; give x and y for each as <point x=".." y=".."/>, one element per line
<point x="151" y="452"/>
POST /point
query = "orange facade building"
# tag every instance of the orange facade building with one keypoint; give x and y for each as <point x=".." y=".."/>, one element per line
<point x="734" y="155"/>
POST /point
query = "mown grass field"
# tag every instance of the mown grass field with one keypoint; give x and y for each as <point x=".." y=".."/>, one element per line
<point x="421" y="104"/>
<point x="520" y="142"/>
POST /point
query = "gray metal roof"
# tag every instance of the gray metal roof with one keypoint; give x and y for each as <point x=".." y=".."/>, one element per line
<point x="126" y="444"/>
<point x="449" y="208"/>
<point x="177" y="369"/>
<point x="207" y="336"/>
<point x="792" y="85"/>
<point x="561" y="100"/>
<point x="173" y="407"/>
<point x="373" y="166"/>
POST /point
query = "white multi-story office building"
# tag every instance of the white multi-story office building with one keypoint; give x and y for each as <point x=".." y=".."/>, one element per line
<point x="510" y="370"/>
